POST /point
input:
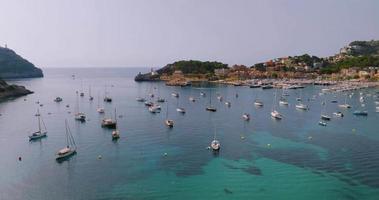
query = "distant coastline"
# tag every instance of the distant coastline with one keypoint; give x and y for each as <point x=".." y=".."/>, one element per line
<point x="357" y="61"/>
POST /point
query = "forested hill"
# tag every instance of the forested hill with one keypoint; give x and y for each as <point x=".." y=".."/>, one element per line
<point x="14" y="66"/>
<point x="192" y="67"/>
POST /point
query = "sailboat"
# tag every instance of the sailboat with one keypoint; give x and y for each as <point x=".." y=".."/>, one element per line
<point x="89" y="93"/>
<point x="274" y="113"/>
<point x="324" y="116"/>
<point x="178" y="109"/>
<point x="107" y="98"/>
<point x="80" y="116"/>
<point x="99" y="109"/>
<point x="159" y="98"/>
<point x="168" y="122"/>
<point x="109" y="122"/>
<point x="70" y="148"/>
<point x="40" y="133"/>
<point x="257" y="101"/>
<point x="345" y="105"/>
<point x="115" y="133"/>
<point x="300" y="105"/>
<point x="81" y="91"/>
<point x="215" y="144"/>
<point x="210" y="107"/>
<point x="283" y="101"/>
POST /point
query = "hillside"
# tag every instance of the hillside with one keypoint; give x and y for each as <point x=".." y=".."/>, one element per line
<point x="363" y="48"/>
<point x="14" y="66"/>
<point x="193" y="67"/>
<point x="10" y="91"/>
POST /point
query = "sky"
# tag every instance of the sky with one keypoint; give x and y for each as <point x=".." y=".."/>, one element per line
<point x="153" y="33"/>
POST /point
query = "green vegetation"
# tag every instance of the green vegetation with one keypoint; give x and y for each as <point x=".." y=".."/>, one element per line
<point x="192" y="67"/>
<point x="14" y="66"/>
<point x="366" y="48"/>
<point x="305" y="58"/>
<point x="360" y="62"/>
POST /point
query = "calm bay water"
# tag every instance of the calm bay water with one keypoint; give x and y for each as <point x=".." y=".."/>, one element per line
<point x="303" y="161"/>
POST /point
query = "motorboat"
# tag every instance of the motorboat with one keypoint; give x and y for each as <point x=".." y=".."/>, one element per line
<point x="58" y="99"/>
<point x="80" y="116"/>
<point x="108" y="123"/>
<point x="246" y="117"/>
<point x="360" y="113"/>
<point x="338" y="114"/>
<point x="140" y="99"/>
<point x="325" y="117"/>
<point x="161" y="100"/>
<point x="149" y="103"/>
<point x="283" y="102"/>
<point x="107" y="99"/>
<point x="227" y="103"/>
<point x="211" y="109"/>
<point x="301" y="106"/>
<point x="174" y="94"/>
<point x="115" y="135"/>
<point x="169" y="123"/>
<point x="192" y="99"/>
<point x="181" y="110"/>
<point x="258" y="103"/>
<point x="276" y="115"/>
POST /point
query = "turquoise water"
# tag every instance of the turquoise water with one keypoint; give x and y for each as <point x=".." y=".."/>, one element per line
<point x="294" y="158"/>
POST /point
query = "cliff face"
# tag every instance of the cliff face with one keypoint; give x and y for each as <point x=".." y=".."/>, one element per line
<point x="14" y="66"/>
<point x="9" y="91"/>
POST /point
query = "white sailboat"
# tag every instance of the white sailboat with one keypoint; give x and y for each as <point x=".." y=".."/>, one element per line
<point x="80" y="116"/>
<point x="210" y="107"/>
<point x="70" y="148"/>
<point x="301" y="106"/>
<point x="116" y="132"/>
<point x="99" y="109"/>
<point x="274" y="113"/>
<point x="40" y="133"/>
<point x="107" y="98"/>
<point x="179" y="109"/>
<point x="324" y="116"/>
<point x="89" y="93"/>
<point x="345" y="105"/>
<point x="215" y="144"/>
<point x="109" y="122"/>
<point x="168" y="122"/>
<point x="81" y="90"/>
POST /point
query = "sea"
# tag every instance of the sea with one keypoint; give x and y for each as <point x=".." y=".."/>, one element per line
<point x="263" y="158"/>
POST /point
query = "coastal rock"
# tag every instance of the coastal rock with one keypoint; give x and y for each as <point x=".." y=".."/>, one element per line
<point x="14" y="66"/>
<point x="147" y="77"/>
<point x="12" y="91"/>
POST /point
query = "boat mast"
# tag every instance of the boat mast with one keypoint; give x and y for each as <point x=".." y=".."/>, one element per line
<point x="39" y="121"/>
<point x="67" y="142"/>
<point x="167" y="111"/>
<point x="77" y="103"/>
<point x="115" y="117"/>
<point x="210" y="97"/>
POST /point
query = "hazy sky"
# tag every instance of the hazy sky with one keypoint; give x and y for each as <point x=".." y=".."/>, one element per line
<point x="101" y="33"/>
